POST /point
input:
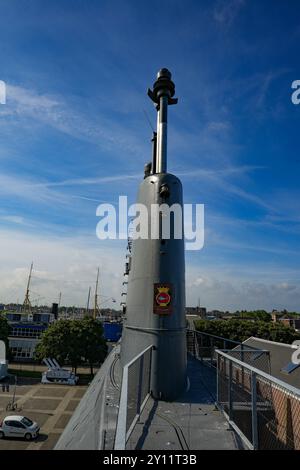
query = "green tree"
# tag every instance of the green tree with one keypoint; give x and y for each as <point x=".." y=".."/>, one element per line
<point x="261" y="315"/>
<point x="75" y="344"/>
<point x="240" y="330"/>
<point x="55" y="342"/>
<point x="73" y="341"/>
<point x="94" y="348"/>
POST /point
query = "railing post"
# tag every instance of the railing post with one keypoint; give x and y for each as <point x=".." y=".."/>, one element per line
<point x="230" y="391"/>
<point x="139" y="397"/>
<point x="150" y="370"/>
<point x="242" y="359"/>
<point x="197" y="345"/>
<point x="218" y="371"/>
<point x="201" y="347"/>
<point x="254" y="411"/>
<point x="224" y="344"/>
<point x="120" y="439"/>
<point x="211" y="351"/>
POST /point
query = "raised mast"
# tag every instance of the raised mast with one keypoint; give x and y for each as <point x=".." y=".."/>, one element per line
<point x="27" y="303"/>
<point x="162" y="95"/>
<point x="96" y="295"/>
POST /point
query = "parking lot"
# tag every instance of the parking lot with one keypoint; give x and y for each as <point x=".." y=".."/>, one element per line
<point x="51" y="406"/>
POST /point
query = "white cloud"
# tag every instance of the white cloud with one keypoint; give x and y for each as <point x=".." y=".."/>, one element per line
<point x="219" y="126"/>
<point x="15" y="219"/>
<point x="28" y="101"/>
<point x="95" y="180"/>
<point x="66" y="265"/>
<point x="69" y="265"/>
<point x="15" y="186"/>
<point x="224" y="291"/>
<point x="28" y="106"/>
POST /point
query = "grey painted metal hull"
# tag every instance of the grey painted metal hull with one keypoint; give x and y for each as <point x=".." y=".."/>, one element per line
<point x="157" y="261"/>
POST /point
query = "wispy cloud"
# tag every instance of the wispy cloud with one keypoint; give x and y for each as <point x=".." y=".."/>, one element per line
<point x="95" y="180"/>
<point x="220" y="179"/>
<point x="219" y="172"/>
<point x="14" y="186"/>
<point x="73" y="135"/>
<point x="15" y="219"/>
<point x="67" y="265"/>
<point x="226" y="11"/>
<point x="219" y="126"/>
<point x="224" y="290"/>
<point x="57" y="112"/>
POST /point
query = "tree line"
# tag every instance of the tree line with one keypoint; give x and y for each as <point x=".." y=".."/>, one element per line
<point x="240" y="330"/>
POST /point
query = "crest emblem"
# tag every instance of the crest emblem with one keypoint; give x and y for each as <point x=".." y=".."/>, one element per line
<point x="162" y="299"/>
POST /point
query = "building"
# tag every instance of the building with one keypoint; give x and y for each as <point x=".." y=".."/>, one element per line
<point x="3" y="362"/>
<point x="291" y="322"/>
<point x="217" y="314"/>
<point x="280" y="357"/>
<point x="286" y="319"/>
<point x="26" y="330"/>
<point x="23" y="339"/>
<point x="199" y="311"/>
<point x="275" y="316"/>
<point x="34" y="317"/>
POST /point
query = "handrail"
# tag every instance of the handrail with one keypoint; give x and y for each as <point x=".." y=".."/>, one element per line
<point x="138" y="356"/>
<point x="247" y="349"/>
<point x="121" y="431"/>
<point x="271" y="378"/>
<point x="215" y="336"/>
<point x="227" y="340"/>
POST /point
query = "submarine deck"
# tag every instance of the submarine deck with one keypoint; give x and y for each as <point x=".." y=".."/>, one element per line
<point x="190" y="423"/>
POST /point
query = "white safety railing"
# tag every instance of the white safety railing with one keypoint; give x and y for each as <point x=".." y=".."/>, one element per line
<point x="264" y="410"/>
<point x="135" y="392"/>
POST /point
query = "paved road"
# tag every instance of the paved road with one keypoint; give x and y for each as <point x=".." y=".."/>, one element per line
<point x="50" y="405"/>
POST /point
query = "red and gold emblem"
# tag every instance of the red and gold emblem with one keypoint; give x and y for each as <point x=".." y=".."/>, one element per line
<point x="162" y="299"/>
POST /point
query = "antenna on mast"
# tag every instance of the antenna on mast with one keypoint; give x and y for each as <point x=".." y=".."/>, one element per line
<point x="162" y="96"/>
<point x="96" y="296"/>
<point x="88" y="301"/>
<point x="27" y="303"/>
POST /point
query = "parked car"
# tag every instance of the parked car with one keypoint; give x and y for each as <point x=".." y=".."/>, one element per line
<point x="19" y="426"/>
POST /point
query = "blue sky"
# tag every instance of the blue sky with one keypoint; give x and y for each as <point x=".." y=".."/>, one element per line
<point x="73" y="133"/>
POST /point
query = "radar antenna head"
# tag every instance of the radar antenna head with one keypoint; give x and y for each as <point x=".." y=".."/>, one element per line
<point x="163" y="86"/>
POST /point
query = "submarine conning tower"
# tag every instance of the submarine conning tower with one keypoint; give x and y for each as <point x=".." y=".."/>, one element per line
<point x="155" y="303"/>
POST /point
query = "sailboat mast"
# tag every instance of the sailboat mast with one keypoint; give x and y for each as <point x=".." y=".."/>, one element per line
<point x="96" y="295"/>
<point x="26" y="303"/>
